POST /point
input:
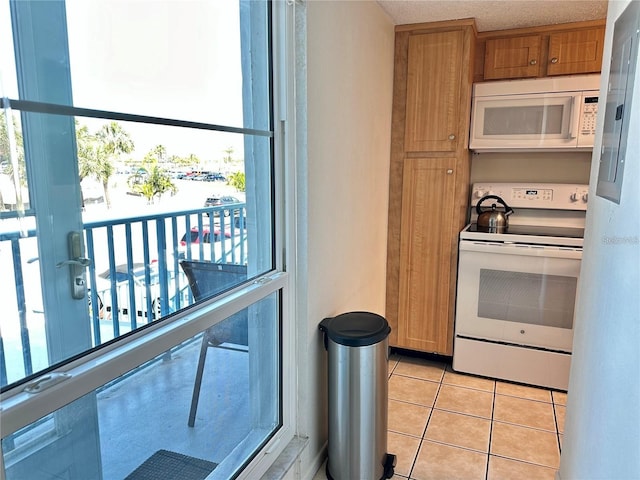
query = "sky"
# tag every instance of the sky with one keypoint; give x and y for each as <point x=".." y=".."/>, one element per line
<point x="179" y="59"/>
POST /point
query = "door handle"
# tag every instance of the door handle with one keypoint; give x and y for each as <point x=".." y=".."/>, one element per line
<point x="81" y="261"/>
<point x="77" y="263"/>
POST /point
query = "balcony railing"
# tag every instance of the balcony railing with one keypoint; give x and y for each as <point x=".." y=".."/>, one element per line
<point x="134" y="277"/>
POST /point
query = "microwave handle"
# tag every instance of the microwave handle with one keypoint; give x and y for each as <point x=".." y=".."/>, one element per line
<point x="572" y="117"/>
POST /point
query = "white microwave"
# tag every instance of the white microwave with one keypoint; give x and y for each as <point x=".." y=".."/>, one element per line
<point x="550" y="114"/>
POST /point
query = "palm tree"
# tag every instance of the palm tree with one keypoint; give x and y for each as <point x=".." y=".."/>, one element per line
<point x="115" y="141"/>
<point x="84" y="144"/>
<point x="156" y="183"/>
<point x="237" y="180"/>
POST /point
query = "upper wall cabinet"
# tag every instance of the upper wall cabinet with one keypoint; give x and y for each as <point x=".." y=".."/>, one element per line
<point x="517" y="57"/>
<point x="433" y="91"/>
<point x="566" y="49"/>
<point x="579" y="51"/>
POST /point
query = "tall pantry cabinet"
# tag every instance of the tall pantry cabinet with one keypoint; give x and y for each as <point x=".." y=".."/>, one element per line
<point x="429" y="180"/>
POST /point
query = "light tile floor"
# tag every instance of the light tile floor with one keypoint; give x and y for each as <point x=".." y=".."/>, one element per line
<point x="445" y="425"/>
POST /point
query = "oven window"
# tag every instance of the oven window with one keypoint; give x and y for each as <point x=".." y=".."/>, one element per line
<point x="545" y="300"/>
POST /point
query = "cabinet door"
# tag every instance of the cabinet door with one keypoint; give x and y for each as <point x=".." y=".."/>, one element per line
<point x="515" y="57"/>
<point x="575" y="52"/>
<point x="425" y="297"/>
<point x="434" y="66"/>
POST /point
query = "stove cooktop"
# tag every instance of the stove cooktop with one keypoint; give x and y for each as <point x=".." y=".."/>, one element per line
<point x="527" y="234"/>
<point x="536" y="230"/>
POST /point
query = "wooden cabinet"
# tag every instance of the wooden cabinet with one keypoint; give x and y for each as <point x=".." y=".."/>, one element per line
<point x="426" y="249"/>
<point x="433" y="86"/>
<point x="429" y="180"/>
<point x="565" y="49"/>
<point x="575" y="52"/>
<point x="517" y="57"/>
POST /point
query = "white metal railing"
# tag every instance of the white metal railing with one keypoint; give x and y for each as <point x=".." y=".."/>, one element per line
<point x="134" y="277"/>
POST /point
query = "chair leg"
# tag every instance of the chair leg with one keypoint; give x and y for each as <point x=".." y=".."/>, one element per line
<point x="198" y="381"/>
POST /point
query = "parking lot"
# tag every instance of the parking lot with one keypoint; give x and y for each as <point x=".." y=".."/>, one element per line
<point x="190" y="194"/>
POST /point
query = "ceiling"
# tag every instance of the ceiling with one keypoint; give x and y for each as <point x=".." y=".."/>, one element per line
<point x="495" y="14"/>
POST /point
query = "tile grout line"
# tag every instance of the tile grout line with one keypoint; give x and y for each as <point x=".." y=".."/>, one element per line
<point x="493" y="409"/>
<point x="555" y="419"/>
<point x="424" y="432"/>
<point x="493" y="419"/>
<point x="421" y="438"/>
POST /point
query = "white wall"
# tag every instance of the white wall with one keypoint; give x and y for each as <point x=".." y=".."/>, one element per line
<point x="550" y="167"/>
<point x="602" y="430"/>
<point x="343" y="186"/>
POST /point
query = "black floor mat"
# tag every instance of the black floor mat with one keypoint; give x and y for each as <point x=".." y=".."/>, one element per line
<point x="166" y="465"/>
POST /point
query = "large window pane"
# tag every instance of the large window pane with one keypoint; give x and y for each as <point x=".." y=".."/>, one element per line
<point x="144" y="417"/>
<point x="139" y="241"/>
<point x="157" y="195"/>
<point x="172" y="59"/>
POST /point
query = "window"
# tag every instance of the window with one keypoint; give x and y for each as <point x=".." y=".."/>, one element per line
<point x="140" y="220"/>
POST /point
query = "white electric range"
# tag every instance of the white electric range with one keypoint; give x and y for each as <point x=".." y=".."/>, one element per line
<point x="517" y="290"/>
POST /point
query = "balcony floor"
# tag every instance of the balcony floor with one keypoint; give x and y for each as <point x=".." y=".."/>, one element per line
<point x="148" y="410"/>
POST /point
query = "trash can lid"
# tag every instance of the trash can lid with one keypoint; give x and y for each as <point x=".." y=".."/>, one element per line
<point x="356" y="329"/>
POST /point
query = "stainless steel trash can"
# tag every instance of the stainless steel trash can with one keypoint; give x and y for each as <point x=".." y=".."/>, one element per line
<point x="358" y="351"/>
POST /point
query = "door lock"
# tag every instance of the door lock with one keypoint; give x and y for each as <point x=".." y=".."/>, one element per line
<point x="77" y="263"/>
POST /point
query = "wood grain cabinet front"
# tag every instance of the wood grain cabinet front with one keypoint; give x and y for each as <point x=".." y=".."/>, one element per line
<point x="429" y="180"/>
<point x="426" y="250"/>
<point x="515" y="57"/>
<point x="562" y="49"/>
<point x="433" y="91"/>
<point x="574" y="52"/>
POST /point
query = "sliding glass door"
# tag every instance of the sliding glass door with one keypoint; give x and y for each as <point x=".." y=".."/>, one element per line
<point x="139" y="230"/>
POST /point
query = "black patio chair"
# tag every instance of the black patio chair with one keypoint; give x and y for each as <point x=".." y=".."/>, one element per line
<point x="205" y="280"/>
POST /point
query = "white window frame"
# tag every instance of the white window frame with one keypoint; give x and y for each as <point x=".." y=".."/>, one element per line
<point x="82" y="376"/>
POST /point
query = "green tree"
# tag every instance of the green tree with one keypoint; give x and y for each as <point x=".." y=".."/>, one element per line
<point x="228" y="158"/>
<point x="115" y="141"/>
<point x="6" y="164"/>
<point x="237" y="180"/>
<point x="155" y="184"/>
<point x="192" y="160"/>
<point x="85" y="143"/>
<point x="160" y="152"/>
<point x="156" y="180"/>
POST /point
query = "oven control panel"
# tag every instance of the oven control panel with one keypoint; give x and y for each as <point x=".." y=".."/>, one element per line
<point x="560" y="196"/>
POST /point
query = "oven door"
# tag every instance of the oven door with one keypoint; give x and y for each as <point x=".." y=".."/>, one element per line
<point x="517" y="294"/>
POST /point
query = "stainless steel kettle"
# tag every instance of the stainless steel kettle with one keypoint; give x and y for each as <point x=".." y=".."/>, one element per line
<point x="494" y="220"/>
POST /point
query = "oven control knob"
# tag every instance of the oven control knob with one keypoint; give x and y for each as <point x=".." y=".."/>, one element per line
<point x="522" y="332"/>
<point x="585" y="197"/>
<point x="574" y="197"/>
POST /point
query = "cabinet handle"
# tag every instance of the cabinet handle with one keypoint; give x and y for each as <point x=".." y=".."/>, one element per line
<point x="452" y="137"/>
<point x="533" y="62"/>
<point x="554" y="60"/>
<point x="449" y="171"/>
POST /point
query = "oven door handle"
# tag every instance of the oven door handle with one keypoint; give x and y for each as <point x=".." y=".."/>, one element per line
<point x="518" y="249"/>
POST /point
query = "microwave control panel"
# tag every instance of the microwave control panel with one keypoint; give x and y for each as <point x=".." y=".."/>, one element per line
<point x="588" y="115"/>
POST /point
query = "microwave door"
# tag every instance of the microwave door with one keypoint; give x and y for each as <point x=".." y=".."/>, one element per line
<point x="525" y="121"/>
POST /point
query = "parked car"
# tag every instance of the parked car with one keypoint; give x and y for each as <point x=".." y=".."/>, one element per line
<point x="195" y="237"/>
<point x="211" y="177"/>
<point x="198" y="246"/>
<point x="124" y="278"/>
<point x="216" y="201"/>
<point x="92" y="191"/>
